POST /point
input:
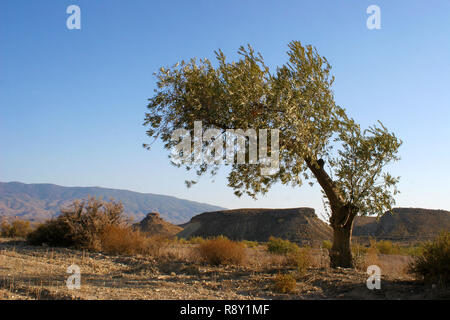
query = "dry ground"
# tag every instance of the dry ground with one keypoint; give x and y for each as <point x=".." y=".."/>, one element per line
<point x="28" y="272"/>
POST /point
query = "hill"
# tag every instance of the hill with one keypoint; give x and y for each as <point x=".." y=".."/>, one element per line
<point x="406" y="224"/>
<point x="153" y="224"/>
<point x="298" y="225"/>
<point x="37" y="202"/>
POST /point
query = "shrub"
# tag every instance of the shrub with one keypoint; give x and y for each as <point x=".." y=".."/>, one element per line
<point x="386" y="247"/>
<point x="54" y="233"/>
<point x="284" y="283"/>
<point x="359" y="253"/>
<point x="326" y="244"/>
<point x="434" y="262"/>
<point x="221" y="250"/>
<point x="414" y="250"/>
<point x="250" y="244"/>
<point x="300" y="259"/>
<point x="81" y="225"/>
<point x="196" y="240"/>
<point x="156" y="245"/>
<point x="117" y="239"/>
<point x="16" y="229"/>
<point x="280" y="246"/>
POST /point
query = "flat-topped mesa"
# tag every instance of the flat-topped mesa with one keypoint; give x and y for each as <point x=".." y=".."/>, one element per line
<point x="299" y="225"/>
<point x="406" y="224"/>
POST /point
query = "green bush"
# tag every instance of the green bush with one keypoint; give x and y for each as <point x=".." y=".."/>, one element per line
<point x="300" y="259"/>
<point x="414" y="250"/>
<point x="386" y="247"/>
<point x="434" y="263"/>
<point x="250" y="244"/>
<point x="196" y="240"/>
<point x="326" y="244"/>
<point x="280" y="246"/>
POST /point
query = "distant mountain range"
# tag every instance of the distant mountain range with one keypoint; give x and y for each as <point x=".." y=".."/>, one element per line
<point x="37" y="202"/>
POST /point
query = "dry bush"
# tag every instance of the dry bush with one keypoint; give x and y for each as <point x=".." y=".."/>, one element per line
<point x="434" y="263"/>
<point x="280" y="246"/>
<point x="300" y="259"/>
<point x="117" y="239"/>
<point x="81" y="225"/>
<point x="260" y="259"/>
<point x="284" y="283"/>
<point x="371" y="258"/>
<point x="196" y="240"/>
<point x="359" y="253"/>
<point x="364" y="257"/>
<point x="221" y="250"/>
<point x="156" y="245"/>
<point x="16" y="229"/>
<point x="179" y="252"/>
<point x="54" y="233"/>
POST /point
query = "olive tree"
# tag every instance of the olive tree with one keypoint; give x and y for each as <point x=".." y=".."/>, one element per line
<point x="318" y="141"/>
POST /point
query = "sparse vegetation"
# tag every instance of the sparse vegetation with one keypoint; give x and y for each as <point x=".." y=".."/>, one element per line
<point x="196" y="240"/>
<point x="280" y="246"/>
<point x="385" y="247"/>
<point x="222" y="250"/>
<point x="434" y="263"/>
<point x="250" y="244"/>
<point x="16" y="229"/>
<point x="116" y="239"/>
<point x="300" y="259"/>
<point x="82" y="225"/>
<point x="54" y="233"/>
<point x="326" y="244"/>
<point x="284" y="283"/>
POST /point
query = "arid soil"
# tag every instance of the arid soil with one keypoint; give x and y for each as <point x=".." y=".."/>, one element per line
<point x="28" y="272"/>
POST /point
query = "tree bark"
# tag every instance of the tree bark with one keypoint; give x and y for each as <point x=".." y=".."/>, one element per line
<point x="342" y="216"/>
<point x="341" y="253"/>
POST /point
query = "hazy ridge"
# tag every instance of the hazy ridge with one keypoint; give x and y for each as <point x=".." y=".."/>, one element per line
<point x="37" y="202"/>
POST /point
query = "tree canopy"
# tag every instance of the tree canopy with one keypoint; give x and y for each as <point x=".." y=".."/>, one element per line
<point x="317" y="138"/>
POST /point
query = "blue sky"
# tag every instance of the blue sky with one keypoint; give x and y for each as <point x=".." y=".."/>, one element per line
<point x="72" y="102"/>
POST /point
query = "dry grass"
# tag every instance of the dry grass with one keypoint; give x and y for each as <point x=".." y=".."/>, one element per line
<point x="221" y="250"/>
<point x="29" y="272"/>
<point x="284" y="283"/>
<point x="123" y="240"/>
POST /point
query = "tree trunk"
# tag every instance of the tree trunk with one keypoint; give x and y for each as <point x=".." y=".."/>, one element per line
<point x="342" y="216"/>
<point x="341" y="253"/>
